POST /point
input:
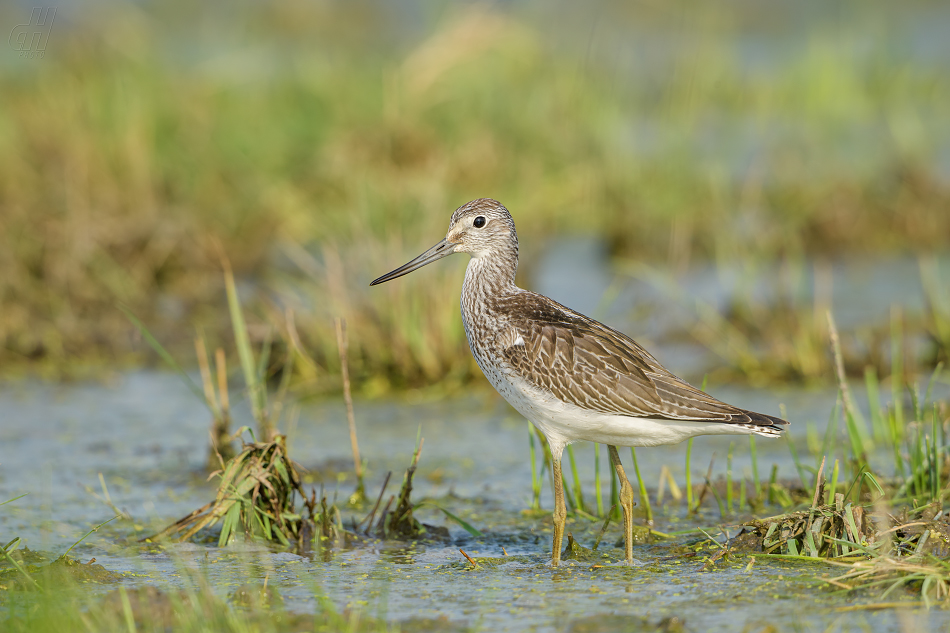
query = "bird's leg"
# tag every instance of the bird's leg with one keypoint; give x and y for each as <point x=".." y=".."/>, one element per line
<point x="560" y="510"/>
<point x="626" y="502"/>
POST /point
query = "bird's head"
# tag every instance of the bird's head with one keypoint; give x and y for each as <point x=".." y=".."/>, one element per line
<point x="480" y="228"/>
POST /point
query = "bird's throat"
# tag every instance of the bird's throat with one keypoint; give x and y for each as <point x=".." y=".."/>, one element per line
<point x="489" y="276"/>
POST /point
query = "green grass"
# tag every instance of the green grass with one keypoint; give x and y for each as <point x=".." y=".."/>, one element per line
<point x="342" y="154"/>
<point x="644" y="495"/>
<point x="146" y="609"/>
<point x="536" y="478"/>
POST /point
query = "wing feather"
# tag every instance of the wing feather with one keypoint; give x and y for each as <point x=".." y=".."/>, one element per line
<point x="584" y="362"/>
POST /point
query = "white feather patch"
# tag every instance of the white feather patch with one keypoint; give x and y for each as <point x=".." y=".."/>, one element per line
<point x="509" y="337"/>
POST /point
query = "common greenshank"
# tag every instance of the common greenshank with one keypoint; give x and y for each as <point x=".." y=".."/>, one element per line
<point x="571" y="376"/>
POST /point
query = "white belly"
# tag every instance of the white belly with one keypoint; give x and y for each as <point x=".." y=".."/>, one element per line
<point x="563" y="423"/>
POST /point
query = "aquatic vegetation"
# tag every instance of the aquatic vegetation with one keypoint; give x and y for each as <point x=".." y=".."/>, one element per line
<point x="359" y="495"/>
<point x="30" y="571"/>
<point x="880" y="551"/>
<point x="54" y="575"/>
<point x="888" y="530"/>
<point x="400" y="523"/>
<point x="258" y="486"/>
<point x="824" y="530"/>
<point x="255" y="497"/>
<point x="218" y="401"/>
<point x="928" y="574"/>
<point x="937" y="314"/>
<point x="148" y="608"/>
<point x="10" y="548"/>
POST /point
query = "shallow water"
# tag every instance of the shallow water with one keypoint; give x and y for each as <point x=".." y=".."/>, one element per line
<point x="146" y="433"/>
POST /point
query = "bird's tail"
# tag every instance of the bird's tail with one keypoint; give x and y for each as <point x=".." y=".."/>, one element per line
<point x="766" y="425"/>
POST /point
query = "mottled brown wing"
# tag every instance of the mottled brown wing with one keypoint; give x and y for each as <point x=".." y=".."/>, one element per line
<point x="588" y="364"/>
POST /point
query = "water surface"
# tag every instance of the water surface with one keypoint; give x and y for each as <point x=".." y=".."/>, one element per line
<point x="146" y="433"/>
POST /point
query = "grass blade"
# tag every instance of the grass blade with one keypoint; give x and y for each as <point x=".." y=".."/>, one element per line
<point x="243" y="343"/>
<point x="689" y="476"/>
<point x="13" y="499"/>
<point x="3" y="550"/>
<point x="798" y="462"/>
<point x="755" y="467"/>
<point x="66" y="553"/>
<point x="643" y="489"/>
<point x="597" y="493"/>
<point x="578" y="493"/>
<point x="729" y="500"/>
<point x="162" y="352"/>
<point x="465" y="525"/>
<point x="535" y="478"/>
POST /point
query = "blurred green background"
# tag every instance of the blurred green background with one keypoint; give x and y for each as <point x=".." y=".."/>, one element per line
<point x="317" y="145"/>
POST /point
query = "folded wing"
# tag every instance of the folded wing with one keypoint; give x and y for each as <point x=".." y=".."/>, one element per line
<point x="582" y="361"/>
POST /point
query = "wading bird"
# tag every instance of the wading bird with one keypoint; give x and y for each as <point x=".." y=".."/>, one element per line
<point x="572" y="377"/>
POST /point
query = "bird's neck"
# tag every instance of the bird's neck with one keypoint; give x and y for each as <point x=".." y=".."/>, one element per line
<point x="488" y="276"/>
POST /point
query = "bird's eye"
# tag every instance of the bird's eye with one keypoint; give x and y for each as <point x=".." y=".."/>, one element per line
<point x="479" y="222"/>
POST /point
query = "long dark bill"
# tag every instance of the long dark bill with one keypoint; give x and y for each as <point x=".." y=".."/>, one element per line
<point x="437" y="252"/>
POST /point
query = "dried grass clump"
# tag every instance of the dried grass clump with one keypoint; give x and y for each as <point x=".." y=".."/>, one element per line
<point x="825" y="531"/>
<point x="880" y="551"/>
<point x="255" y="496"/>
